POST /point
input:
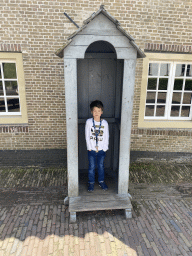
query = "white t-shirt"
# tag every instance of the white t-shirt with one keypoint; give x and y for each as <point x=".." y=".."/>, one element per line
<point x="103" y="137"/>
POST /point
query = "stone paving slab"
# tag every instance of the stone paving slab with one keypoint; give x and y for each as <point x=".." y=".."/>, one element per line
<point x="40" y="226"/>
<point x="34" y="221"/>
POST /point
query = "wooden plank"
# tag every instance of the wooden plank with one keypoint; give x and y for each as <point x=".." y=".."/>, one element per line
<point x="96" y="202"/>
<point x="74" y="52"/>
<point x="109" y="156"/>
<point x="94" y="80"/>
<point x="118" y="95"/>
<point x="72" y="125"/>
<point x="116" y="134"/>
<point x="108" y="75"/>
<point x="101" y="23"/>
<point x="83" y="88"/>
<point x="116" y="41"/>
<point x="126" y="121"/>
<point x="95" y="197"/>
<point x="119" y="83"/>
<point x="82" y="148"/>
<point x="126" y="53"/>
<point x="83" y="109"/>
<point x="100" y="55"/>
<point x="102" y="32"/>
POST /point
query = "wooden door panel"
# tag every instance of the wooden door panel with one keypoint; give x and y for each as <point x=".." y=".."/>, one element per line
<point x="83" y="88"/>
<point x="82" y="149"/>
<point x="108" y="86"/>
<point x="96" y="80"/>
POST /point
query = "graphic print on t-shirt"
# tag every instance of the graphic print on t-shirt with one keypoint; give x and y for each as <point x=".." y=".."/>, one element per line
<point x="100" y="135"/>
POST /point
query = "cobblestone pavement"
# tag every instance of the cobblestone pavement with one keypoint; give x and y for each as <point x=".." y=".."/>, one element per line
<point x="34" y="221"/>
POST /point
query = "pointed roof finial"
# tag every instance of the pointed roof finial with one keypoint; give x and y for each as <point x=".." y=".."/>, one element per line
<point x="102" y="7"/>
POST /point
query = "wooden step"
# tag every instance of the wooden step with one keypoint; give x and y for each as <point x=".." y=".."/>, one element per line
<point x="99" y="202"/>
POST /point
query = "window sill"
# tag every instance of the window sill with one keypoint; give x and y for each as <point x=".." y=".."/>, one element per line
<point x="13" y="119"/>
<point x="187" y="124"/>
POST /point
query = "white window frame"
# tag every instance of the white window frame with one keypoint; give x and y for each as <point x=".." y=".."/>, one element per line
<point x="168" y="104"/>
<point x="21" y="116"/>
<point x="162" y="122"/>
<point x="7" y="113"/>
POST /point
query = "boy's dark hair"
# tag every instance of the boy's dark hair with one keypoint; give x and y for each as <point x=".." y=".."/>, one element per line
<point x="96" y="103"/>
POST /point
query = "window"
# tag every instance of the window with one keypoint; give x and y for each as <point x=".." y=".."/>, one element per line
<point x="9" y="91"/>
<point x="166" y="91"/>
<point x="12" y="89"/>
<point x="169" y="91"/>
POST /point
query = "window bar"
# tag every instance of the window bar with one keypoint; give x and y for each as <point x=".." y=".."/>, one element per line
<point x="157" y="86"/>
<point x="3" y="83"/>
<point x="190" y="113"/>
<point x="183" y="89"/>
<point x="182" y="95"/>
<point x="149" y="73"/>
<point x="171" y="87"/>
<point x="167" y="70"/>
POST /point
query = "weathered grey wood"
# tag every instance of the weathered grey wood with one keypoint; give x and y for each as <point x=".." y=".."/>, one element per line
<point x="72" y="125"/>
<point x="115" y="147"/>
<point x="116" y="41"/>
<point x="118" y="94"/>
<point x="96" y="80"/>
<point x="125" y="53"/>
<point x="103" y="11"/>
<point x="119" y="83"/>
<point x="73" y="217"/>
<point x="78" y="52"/>
<point x="82" y="148"/>
<point x="100" y="55"/>
<point x="95" y="197"/>
<point x="101" y="23"/>
<point x="99" y="202"/>
<point x="128" y="213"/>
<point x="74" y="52"/>
<point x="102" y="32"/>
<point x="109" y="154"/>
<point x="126" y="121"/>
<point x="83" y="88"/>
<point x="108" y="77"/>
<point x="99" y="76"/>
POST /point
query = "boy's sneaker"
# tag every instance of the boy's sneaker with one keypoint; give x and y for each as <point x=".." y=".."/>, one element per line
<point x="103" y="185"/>
<point x="90" y="187"/>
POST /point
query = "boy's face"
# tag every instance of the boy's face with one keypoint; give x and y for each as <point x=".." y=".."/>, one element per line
<point x="97" y="112"/>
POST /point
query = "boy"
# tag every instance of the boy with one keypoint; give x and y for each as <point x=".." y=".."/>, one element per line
<point x="97" y="140"/>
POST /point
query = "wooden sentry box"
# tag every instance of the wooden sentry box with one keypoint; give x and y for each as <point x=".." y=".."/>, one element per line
<point x="99" y="63"/>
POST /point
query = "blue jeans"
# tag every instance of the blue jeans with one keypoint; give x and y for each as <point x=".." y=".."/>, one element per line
<point x="94" y="158"/>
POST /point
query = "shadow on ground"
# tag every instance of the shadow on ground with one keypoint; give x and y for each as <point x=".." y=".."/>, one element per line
<point x="34" y="220"/>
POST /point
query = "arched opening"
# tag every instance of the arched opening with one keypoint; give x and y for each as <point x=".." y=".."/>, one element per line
<point x="100" y="76"/>
<point x="100" y="47"/>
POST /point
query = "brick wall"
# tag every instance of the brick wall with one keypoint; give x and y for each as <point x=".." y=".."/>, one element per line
<point x="39" y="28"/>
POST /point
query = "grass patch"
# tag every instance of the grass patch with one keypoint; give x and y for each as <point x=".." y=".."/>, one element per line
<point x="136" y="208"/>
<point x="32" y="177"/>
<point x="160" y="173"/>
<point x="148" y="173"/>
<point x="143" y="173"/>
